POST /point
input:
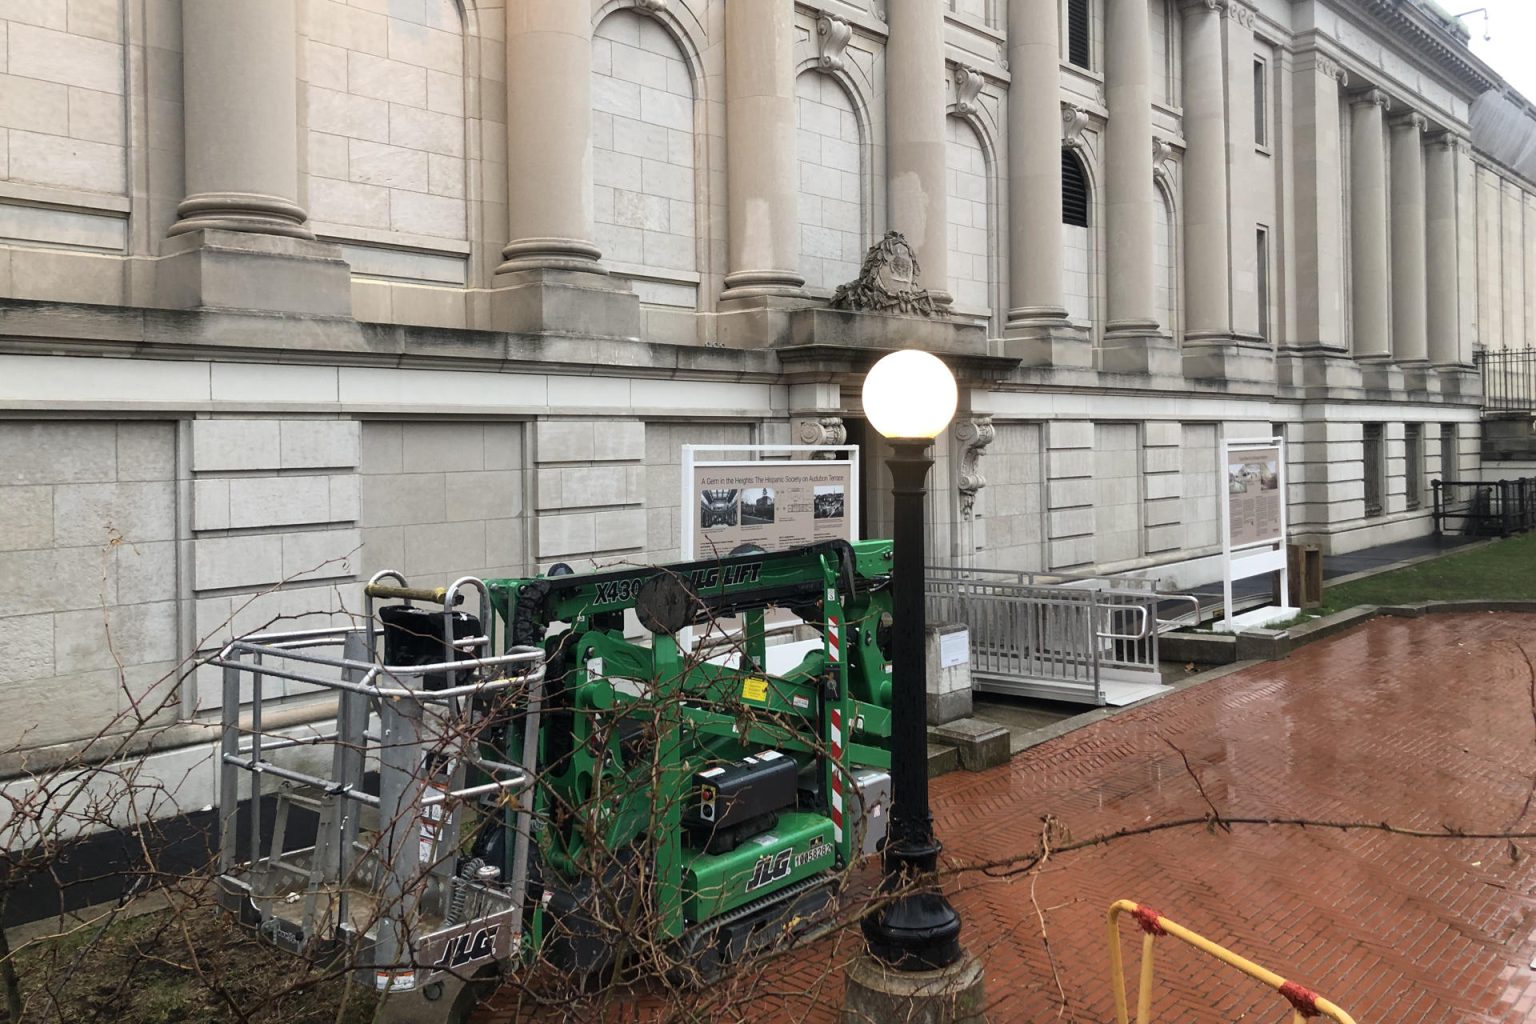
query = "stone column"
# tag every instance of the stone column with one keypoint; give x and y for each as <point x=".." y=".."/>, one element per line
<point x="1442" y="251"/>
<point x="550" y="280"/>
<point x="1368" y="225"/>
<point x="1409" y="275"/>
<point x="1207" y="273"/>
<point x="762" y="173"/>
<point x="1037" y="314"/>
<point x="1132" y="329"/>
<point x="916" y="193"/>
<point x="240" y="95"/>
<point x="1320" y="309"/>
<point x="240" y="240"/>
<point x="549" y="130"/>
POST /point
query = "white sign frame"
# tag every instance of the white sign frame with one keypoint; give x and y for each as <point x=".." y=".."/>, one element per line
<point x="689" y="506"/>
<point x="1256" y="558"/>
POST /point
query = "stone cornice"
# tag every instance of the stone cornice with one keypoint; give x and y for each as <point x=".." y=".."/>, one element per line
<point x="1428" y="39"/>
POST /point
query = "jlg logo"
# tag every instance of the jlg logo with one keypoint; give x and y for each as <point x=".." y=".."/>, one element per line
<point x="468" y="947"/>
<point x="769" y="869"/>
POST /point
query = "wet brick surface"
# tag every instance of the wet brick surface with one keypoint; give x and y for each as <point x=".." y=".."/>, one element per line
<point x="1424" y="723"/>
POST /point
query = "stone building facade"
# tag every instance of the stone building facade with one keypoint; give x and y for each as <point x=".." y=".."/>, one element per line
<point x="294" y="290"/>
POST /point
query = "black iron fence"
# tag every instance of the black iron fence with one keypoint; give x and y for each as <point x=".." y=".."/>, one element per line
<point x="1509" y="379"/>
<point x="1485" y="508"/>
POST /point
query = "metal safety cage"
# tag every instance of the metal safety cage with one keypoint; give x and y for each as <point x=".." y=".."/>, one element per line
<point x="387" y="875"/>
<point x="1056" y="636"/>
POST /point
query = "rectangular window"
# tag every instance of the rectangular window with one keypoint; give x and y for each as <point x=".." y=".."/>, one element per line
<point x="1260" y="103"/>
<point x="1261" y="272"/>
<point x="1413" y="464"/>
<point x="1077" y="33"/>
<point x="1375" y="466"/>
<point x="1448" y="468"/>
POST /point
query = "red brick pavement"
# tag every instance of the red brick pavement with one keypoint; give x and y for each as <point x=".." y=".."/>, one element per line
<point x="1423" y="723"/>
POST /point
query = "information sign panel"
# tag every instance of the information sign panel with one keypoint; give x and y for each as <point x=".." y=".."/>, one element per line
<point x="740" y="506"/>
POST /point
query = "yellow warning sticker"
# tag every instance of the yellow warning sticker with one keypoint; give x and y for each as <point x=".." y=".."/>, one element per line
<point x="754" y="688"/>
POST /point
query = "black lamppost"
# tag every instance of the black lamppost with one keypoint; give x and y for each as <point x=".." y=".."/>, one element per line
<point x="910" y="397"/>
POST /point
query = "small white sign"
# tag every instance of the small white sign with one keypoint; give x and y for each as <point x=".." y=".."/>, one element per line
<point x="954" y="648"/>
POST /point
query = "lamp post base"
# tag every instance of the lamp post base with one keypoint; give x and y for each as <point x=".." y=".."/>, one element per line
<point x="918" y="930"/>
<point x="876" y="994"/>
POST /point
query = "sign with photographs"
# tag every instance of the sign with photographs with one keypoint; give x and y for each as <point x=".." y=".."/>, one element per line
<point x="743" y="507"/>
<point x="1253" y="525"/>
<point x="1254" y="497"/>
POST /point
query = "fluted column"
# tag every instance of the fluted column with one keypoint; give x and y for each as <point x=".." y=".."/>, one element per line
<point x="1319" y="203"/>
<point x="1207" y="271"/>
<point x="1035" y="290"/>
<point x="760" y="150"/>
<point x="1368" y="225"/>
<point x="549" y="129"/>
<point x="1443" y="308"/>
<point x="240" y="87"/>
<point x="1128" y="159"/>
<point x="1409" y="275"/>
<point x="916" y="194"/>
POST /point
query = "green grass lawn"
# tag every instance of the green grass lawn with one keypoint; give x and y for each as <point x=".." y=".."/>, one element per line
<point x="1503" y="570"/>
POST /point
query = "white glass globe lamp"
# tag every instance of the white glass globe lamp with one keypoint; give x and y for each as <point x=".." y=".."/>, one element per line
<point x="910" y="394"/>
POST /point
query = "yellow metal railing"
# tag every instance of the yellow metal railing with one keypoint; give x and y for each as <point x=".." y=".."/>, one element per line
<point x="1304" y="1003"/>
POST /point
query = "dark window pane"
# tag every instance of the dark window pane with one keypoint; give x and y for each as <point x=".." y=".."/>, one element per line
<point x="1074" y="191"/>
<point x="1077" y="32"/>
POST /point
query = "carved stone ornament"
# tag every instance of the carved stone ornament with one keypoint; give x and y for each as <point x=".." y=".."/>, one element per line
<point x="1073" y="121"/>
<point x="1002" y="56"/>
<point x="832" y="36"/>
<point x="1241" y="13"/>
<point x="968" y="83"/>
<point x="1329" y="68"/>
<point x="887" y="281"/>
<point x="651" y="6"/>
<point x="973" y="434"/>
<point x="1162" y="150"/>
<point x="1375" y="96"/>
<point x="1412" y="120"/>
<point x="826" y="431"/>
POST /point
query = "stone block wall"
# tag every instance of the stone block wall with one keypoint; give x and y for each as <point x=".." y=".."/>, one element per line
<point x="88" y="559"/>
<point x="275" y="543"/>
<point x="589" y="489"/>
<point x="443" y="500"/>
<point x="832" y="233"/>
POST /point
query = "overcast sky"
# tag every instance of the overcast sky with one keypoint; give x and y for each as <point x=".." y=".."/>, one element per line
<point x="1512" y="50"/>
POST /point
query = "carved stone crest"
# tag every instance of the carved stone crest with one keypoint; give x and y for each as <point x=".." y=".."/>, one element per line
<point x="887" y="281"/>
<point x="1074" y="120"/>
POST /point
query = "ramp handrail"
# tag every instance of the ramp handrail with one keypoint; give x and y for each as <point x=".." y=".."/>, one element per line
<point x="1304" y="1002"/>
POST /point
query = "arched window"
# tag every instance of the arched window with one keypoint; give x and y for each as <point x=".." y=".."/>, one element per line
<point x="642" y="157"/>
<point x="1076" y="238"/>
<point x="970" y="248"/>
<point x="1166" y="266"/>
<point x="831" y="206"/>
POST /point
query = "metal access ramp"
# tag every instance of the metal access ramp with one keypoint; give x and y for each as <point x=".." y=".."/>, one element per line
<point x="1081" y="639"/>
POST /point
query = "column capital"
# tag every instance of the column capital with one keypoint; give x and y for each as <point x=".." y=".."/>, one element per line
<point x="832" y="36"/>
<point x="1330" y="68"/>
<point x="1409" y="120"/>
<point x="1445" y="139"/>
<point x="1367" y="97"/>
<point x="1240" y="12"/>
<point x="1196" y="6"/>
